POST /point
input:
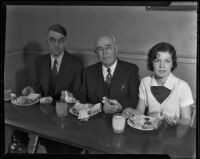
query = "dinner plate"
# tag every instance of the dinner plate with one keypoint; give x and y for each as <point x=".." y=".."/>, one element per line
<point x="28" y="104"/>
<point x="138" y="121"/>
<point x="8" y="99"/>
<point x="74" y="113"/>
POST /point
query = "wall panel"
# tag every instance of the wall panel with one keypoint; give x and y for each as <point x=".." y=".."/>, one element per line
<point x="19" y="67"/>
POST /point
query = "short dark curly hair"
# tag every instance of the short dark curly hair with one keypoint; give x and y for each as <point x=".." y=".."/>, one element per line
<point x="58" y="28"/>
<point x="162" y="46"/>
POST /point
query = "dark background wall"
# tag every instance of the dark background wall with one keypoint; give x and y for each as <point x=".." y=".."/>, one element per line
<point x="135" y="29"/>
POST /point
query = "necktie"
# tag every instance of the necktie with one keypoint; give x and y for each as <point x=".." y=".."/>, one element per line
<point x="55" y="68"/>
<point x="108" y="77"/>
<point x="160" y="93"/>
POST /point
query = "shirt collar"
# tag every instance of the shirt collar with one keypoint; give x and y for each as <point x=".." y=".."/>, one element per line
<point x="169" y="83"/>
<point x="59" y="59"/>
<point x="112" y="68"/>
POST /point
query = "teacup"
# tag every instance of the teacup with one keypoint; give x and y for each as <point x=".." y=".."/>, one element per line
<point x="61" y="109"/>
<point x="7" y="94"/>
<point x="118" y="123"/>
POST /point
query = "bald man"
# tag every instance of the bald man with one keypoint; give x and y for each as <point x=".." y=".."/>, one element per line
<point x="111" y="81"/>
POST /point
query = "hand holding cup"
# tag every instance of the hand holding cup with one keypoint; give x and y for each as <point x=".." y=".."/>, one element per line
<point x="27" y="90"/>
<point x="111" y="106"/>
<point x="46" y="100"/>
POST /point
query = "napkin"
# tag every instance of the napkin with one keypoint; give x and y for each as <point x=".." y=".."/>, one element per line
<point x="83" y="115"/>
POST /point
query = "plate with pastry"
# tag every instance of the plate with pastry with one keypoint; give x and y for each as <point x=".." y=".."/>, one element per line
<point x="31" y="99"/>
<point x="84" y="111"/>
<point x="143" y="122"/>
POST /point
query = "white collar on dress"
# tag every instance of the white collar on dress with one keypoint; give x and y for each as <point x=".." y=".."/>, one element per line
<point x="169" y="83"/>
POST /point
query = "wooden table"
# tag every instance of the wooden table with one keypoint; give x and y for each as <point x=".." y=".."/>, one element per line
<point x="96" y="134"/>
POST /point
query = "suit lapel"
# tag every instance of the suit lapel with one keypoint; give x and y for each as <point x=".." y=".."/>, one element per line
<point x="64" y="67"/>
<point x="99" y="83"/>
<point x="116" y="80"/>
<point x="46" y="67"/>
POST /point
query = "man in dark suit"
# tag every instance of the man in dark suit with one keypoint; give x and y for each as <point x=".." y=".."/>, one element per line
<point x="54" y="72"/>
<point x="111" y="81"/>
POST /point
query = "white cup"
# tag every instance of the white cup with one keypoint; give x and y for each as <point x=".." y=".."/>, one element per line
<point x="61" y="109"/>
<point x="118" y="123"/>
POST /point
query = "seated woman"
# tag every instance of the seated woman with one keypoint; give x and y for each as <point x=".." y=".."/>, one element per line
<point x="163" y="94"/>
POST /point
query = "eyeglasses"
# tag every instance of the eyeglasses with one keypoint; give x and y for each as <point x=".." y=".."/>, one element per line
<point x="53" y="40"/>
<point x="100" y="50"/>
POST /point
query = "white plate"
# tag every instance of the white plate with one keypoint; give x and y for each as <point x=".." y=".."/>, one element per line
<point x="72" y="112"/>
<point x="137" y="122"/>
<point x="7" y="99"/>
<point x="15" y="103"/>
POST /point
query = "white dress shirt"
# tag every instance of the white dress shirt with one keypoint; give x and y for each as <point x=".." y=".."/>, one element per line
<point x="112" y="69"/>
<point x="59" y="59"/>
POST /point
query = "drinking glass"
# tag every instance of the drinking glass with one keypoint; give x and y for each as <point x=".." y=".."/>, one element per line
<point x="118" y="123"/>
<point x="61" y="109"/>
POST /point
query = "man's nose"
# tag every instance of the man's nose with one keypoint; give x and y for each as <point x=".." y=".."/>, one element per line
<point x="57" y="43"/>
<point x="104" y="51"/>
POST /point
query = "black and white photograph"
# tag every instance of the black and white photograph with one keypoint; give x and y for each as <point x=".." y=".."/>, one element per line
<point x="96" y="78"/>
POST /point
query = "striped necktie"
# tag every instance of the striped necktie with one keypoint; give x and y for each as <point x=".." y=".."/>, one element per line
<point x="108" y="77"/>
<point x="55" y="72"/>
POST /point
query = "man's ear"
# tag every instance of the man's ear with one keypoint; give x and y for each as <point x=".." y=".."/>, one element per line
<point x="116" y="49"/>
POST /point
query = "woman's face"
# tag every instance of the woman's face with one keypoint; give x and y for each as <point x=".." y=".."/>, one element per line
<point x="162" y="65"/>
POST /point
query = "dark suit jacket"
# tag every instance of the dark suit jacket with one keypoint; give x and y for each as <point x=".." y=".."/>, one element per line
<point x="123" y="87"/>
<point x="69" y="76"/>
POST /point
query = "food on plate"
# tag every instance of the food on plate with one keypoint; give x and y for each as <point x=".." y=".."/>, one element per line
<point x="46" y="100"/>
<point x="134" y="123"/>
<point x="88" y="109"/>
<point x="143" y="122"/>
<point x="33" y="96"/>
<point x="146" y="119"/>
<point x="95" y="109"/>
<point x="23" y="100"/>
<point x="148" y="125"/>
<point x="79" y="106"/>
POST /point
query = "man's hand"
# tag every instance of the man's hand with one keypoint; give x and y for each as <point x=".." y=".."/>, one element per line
<point x="27" y="90"/>
<point x="64" y="94"/>
<point x="111" y="106"/>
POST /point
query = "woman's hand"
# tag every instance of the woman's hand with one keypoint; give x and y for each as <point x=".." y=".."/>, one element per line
<point x="173" y="121"/>
<point x="129" y="112"/>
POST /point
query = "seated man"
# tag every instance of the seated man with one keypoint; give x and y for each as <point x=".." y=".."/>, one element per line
<point x="54" y="72"/>
<point x="111" y="81"/>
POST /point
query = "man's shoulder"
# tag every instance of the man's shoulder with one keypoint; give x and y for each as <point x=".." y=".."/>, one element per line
<point x="94" y="68"/>
<point x="43" y="57"/>
<point x="127" y="65"/>
<point x="70" y="58"/>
